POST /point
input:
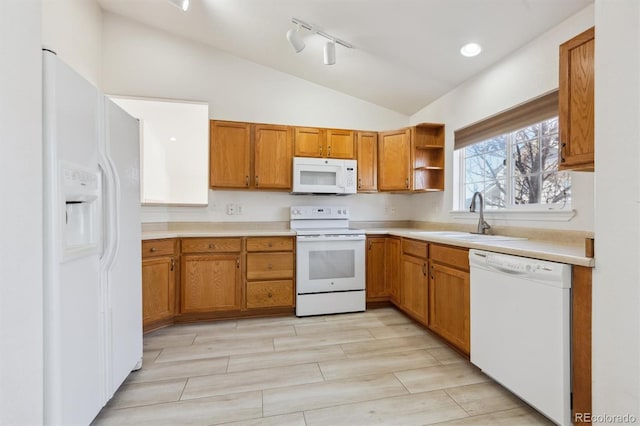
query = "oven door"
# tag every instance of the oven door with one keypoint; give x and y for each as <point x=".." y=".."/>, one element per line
<point x="330" y="263"/>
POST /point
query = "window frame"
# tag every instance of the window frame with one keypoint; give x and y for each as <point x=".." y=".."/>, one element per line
<point x="563" y="210"/>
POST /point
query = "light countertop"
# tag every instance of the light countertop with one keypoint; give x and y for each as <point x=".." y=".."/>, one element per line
<point x="563" y="250"/>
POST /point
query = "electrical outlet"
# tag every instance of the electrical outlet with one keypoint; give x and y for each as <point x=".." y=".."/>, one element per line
<point x="231" y="209"/>
<point x="238" y="209"/>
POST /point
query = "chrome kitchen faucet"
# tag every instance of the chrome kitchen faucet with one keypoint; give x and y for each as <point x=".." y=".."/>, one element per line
<point x="482" y="224"/>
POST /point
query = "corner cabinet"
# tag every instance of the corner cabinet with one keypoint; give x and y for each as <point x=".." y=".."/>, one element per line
<point x="375" y="267"/>
<point x="412" y="159"/>
<point x="250" y="156"/>
<point x="158" y="282"/>
<point x="449" y="295"/>
<point x="211" y="275"/>
<point x="576" y="103"/>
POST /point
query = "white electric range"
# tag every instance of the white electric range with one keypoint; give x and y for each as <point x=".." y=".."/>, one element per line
<point x="330" y="261"/>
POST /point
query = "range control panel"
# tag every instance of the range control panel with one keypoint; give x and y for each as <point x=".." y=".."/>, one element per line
<point x="315" y="212"/>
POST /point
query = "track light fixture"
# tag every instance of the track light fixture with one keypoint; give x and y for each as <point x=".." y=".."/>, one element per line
<point x="181" y="4"/>
<point x="329" y="53"/>
<point x="295" y="39"/>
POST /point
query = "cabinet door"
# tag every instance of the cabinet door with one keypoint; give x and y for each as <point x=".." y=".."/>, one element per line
<point x="158" y="289"/>
<point x="308" y="142"/>
<point x="340" y="144"/>
<point x="576" y="109"/>
<point x="394" y="161"/>
<point x="367" y="156"/>
<point x="273" y="157"/>
<point x="393" y="262"/>
<point x="449" y="305"/>
<point x="376" y="288"/>
<point x="211" y="283"/>
<point x="230" y="154"/>
<point x="414" y="288"/>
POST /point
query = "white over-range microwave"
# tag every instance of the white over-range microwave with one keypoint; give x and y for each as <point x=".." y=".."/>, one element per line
<point x="324" y="176"/>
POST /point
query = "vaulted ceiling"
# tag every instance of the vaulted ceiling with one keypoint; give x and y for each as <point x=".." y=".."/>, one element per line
<point x="405" y="54"/>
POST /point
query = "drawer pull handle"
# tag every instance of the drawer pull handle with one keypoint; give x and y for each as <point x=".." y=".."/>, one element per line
<point x="173" y="264"/>
<point x="270" y="245"/>
<point x="269" y="295"/>
<point x="212" y="246"/>
<point x="153" y="249"/>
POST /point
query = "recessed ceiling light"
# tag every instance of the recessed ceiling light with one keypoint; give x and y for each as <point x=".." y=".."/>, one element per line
<point x="173" y="139"/>
<point x="470" y="49"/>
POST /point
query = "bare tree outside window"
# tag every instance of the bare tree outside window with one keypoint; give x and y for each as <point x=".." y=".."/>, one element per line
<point x="517" y="168"/>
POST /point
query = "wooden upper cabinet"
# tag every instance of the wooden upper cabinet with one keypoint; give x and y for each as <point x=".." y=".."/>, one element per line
<point x="576" y="102"/>
<point x="412" y="159"/>
<point x="340" y="144"/>
<point x="367" y="156"/>
<point x="230" y="154"/>
<point x="329" y="143"/>
<point x="308" y="142"/>
<point x="245" y="155"/>
<point x="394" y="160"/>
<point x="273" y="153"/>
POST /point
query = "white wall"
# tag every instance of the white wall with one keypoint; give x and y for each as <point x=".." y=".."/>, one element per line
<point x="616" y="286"/>
<point x="141" y="61"/>
<point x="21" y="353"/>
<point x="525" y="74"/>
<point x="73" y="29"/>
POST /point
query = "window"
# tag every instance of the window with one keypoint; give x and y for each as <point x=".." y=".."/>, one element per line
<point x="515" y="169"/>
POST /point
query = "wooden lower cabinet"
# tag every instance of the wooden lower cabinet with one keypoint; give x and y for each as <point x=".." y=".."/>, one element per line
<point x="375" y="267"/>
<point x="269" y="294"/>
<point x="449" y="305"/>
<point x="211" y="282"/>
<point x="413" y="292"/>
<point x="270" y="272"/>
<point x="393" y="265"/>
<point x="449" y="292"/>
<point x="158" y="282"/>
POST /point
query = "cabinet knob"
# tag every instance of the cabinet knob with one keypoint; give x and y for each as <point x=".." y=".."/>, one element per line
<point x="238" y="262"/>
<point x="270" y="245"/>
<point x="211" y="246"/>
<point x="257" y="181"/>
<point x="269" y="295"/>
<point x="246" y="180"/>
<point x="269" y="266"/>
<point x="153" y="249"/>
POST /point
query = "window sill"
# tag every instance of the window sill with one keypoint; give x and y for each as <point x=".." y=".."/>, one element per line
<point x="544" y="215"/>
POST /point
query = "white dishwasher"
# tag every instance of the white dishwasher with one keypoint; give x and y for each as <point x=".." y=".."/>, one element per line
<point x="520" y="328"/>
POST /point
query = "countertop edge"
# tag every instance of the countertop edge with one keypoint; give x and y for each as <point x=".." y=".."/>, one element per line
<point x="545" y="250"/>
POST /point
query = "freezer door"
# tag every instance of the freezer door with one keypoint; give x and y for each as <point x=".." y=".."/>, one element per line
<point x="121" y="274"/>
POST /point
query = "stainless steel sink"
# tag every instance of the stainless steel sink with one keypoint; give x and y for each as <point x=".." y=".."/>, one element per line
<point x="483" y="237"/>
<point x="466" y="236"/>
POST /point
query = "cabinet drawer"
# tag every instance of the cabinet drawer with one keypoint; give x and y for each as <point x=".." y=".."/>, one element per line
<point x="452" y="256"/>
<point x="153" y="248"/>
<point x="415" y="248"/>
<point x="211" y="245"/>
<point x="269" y="244"/>
<point x="266" y="294"/>
<point x="262" y="266"/>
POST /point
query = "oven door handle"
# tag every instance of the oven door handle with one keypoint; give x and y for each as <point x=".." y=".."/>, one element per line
<point x="312" y="239"/>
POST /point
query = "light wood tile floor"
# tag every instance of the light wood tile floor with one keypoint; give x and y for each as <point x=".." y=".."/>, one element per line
<point x="371" y="368"/>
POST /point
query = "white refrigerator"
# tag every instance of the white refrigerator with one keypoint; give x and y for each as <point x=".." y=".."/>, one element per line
<point x="93" y="294"/>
